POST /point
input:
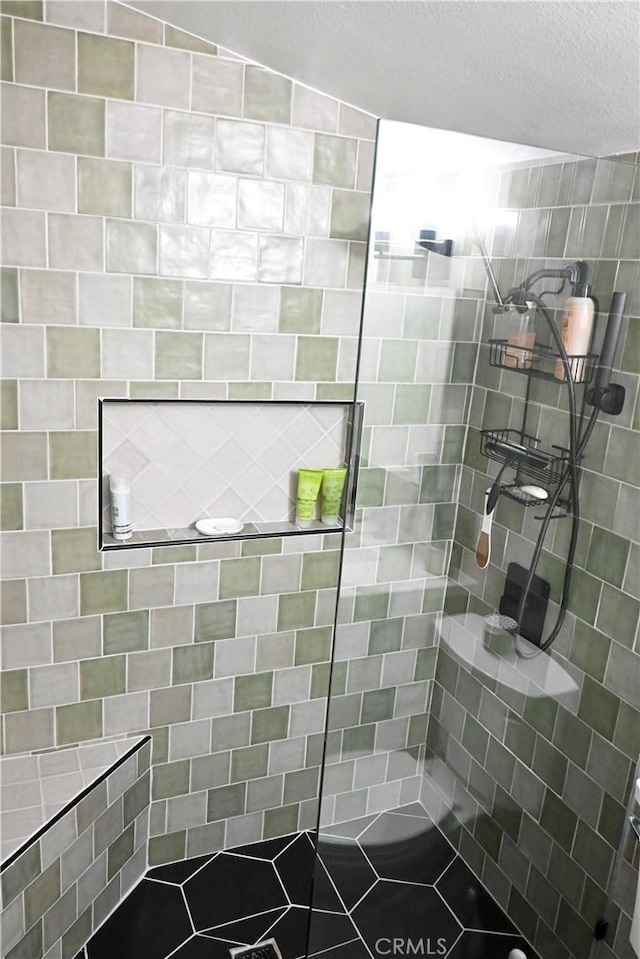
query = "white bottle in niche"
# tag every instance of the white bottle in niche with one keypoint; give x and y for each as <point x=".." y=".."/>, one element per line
<point x="120" y="492"/>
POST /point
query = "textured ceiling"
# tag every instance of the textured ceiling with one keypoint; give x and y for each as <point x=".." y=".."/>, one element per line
<point x="561" y="74"/>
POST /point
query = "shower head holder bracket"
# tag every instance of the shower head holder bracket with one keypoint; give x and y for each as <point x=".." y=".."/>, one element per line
<point x="608" y="399"/>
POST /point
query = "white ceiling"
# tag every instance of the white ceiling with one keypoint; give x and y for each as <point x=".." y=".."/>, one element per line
<point x="561" y="74"/>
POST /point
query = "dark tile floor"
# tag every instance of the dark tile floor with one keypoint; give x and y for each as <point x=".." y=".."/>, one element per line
<point x="386" y="885"/>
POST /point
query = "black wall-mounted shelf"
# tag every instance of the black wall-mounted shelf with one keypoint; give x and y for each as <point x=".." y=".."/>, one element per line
<point x="531" y="459"/>
<point x="545" y="466"/>
<point x="539" y="361"/>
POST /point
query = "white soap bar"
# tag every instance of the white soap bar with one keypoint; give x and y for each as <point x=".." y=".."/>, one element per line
<point x="536" y="491"/>
<point x="219" y="526"/>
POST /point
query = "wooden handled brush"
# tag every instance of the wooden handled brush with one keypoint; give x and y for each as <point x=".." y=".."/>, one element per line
<point x="483" y="547"/>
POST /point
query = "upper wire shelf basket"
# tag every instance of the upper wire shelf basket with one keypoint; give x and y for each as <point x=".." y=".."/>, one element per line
<point x="541" y="361"/>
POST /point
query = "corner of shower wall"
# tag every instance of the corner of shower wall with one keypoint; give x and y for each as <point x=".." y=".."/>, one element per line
<point x="533" y="790"/>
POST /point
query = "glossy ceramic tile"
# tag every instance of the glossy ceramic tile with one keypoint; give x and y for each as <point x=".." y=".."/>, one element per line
<point x="53" y="886"/>
<point x="36" y="787"/>
<point x="127" y="224"/>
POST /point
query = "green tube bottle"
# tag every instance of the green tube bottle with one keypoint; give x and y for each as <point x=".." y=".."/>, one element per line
<point x="333" y="481"/>
<point x="309" y="482"/>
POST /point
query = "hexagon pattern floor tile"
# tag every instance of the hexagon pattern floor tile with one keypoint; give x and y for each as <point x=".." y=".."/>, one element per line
<point x="385" y="885"/>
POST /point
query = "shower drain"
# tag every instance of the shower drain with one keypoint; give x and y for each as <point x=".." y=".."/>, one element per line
<point x="264" y="950"/>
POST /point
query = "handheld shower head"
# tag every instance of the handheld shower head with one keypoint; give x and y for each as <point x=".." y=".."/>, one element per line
<point x="610" y="341"/>
<point x="605" y="395"/>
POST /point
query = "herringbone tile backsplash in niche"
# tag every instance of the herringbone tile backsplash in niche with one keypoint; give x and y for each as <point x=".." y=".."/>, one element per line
<point x="189" y="461"/>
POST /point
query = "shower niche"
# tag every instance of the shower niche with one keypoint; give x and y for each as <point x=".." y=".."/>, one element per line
<point x="187" y="461"/>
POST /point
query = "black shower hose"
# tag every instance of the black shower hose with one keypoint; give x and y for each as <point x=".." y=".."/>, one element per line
<point x="571" y="475"/>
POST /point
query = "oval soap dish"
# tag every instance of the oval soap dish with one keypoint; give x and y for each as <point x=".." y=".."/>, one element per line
<point x="219" y="526"/>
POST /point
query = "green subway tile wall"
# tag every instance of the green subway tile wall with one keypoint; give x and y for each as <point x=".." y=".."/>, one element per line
<point x="144" y="221"/>
<point x="539" y="786"/>
<point x="175" y="222"/>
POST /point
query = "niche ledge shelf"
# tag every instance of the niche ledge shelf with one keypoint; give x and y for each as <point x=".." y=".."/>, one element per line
<point x="188" y="460"/>
<point x="188" y="535"/>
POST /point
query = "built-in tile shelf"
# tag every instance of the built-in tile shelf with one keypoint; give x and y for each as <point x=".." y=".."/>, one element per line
<point x="188" y="460"/>
<point x="75" y="832"/>
<point x="186" y="535"/>
<point x="39" y="788"/>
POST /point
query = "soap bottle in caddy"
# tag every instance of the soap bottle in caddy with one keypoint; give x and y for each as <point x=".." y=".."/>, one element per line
<point x="576" y="330"/>
<point x="120" y="498"/>
<point x="521" y="339"/>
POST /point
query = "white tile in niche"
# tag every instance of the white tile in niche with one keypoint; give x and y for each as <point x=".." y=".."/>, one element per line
<point x="230" y="503"/>
<point x="325" y="451"/>
<point x="324" y="416"/>
<point x="206" y="440"/>
<point x="202" y="485"/>
<point x="275" y="457"/>
<point x="184" y="509"/>
<point x="235" y="458"/>
<point x="253" y="491"/>
<point x="273" y="503"/>
<point x="152" y="487"/>
<point x="153" y="436"/>
<point x="173" y="415"/>
<point x="183" y="462"/>
<point x="122" y="422"/>
<point x="125" y="457"/>
<point x="187" y="461"/>
<point x="257" y="436"/>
